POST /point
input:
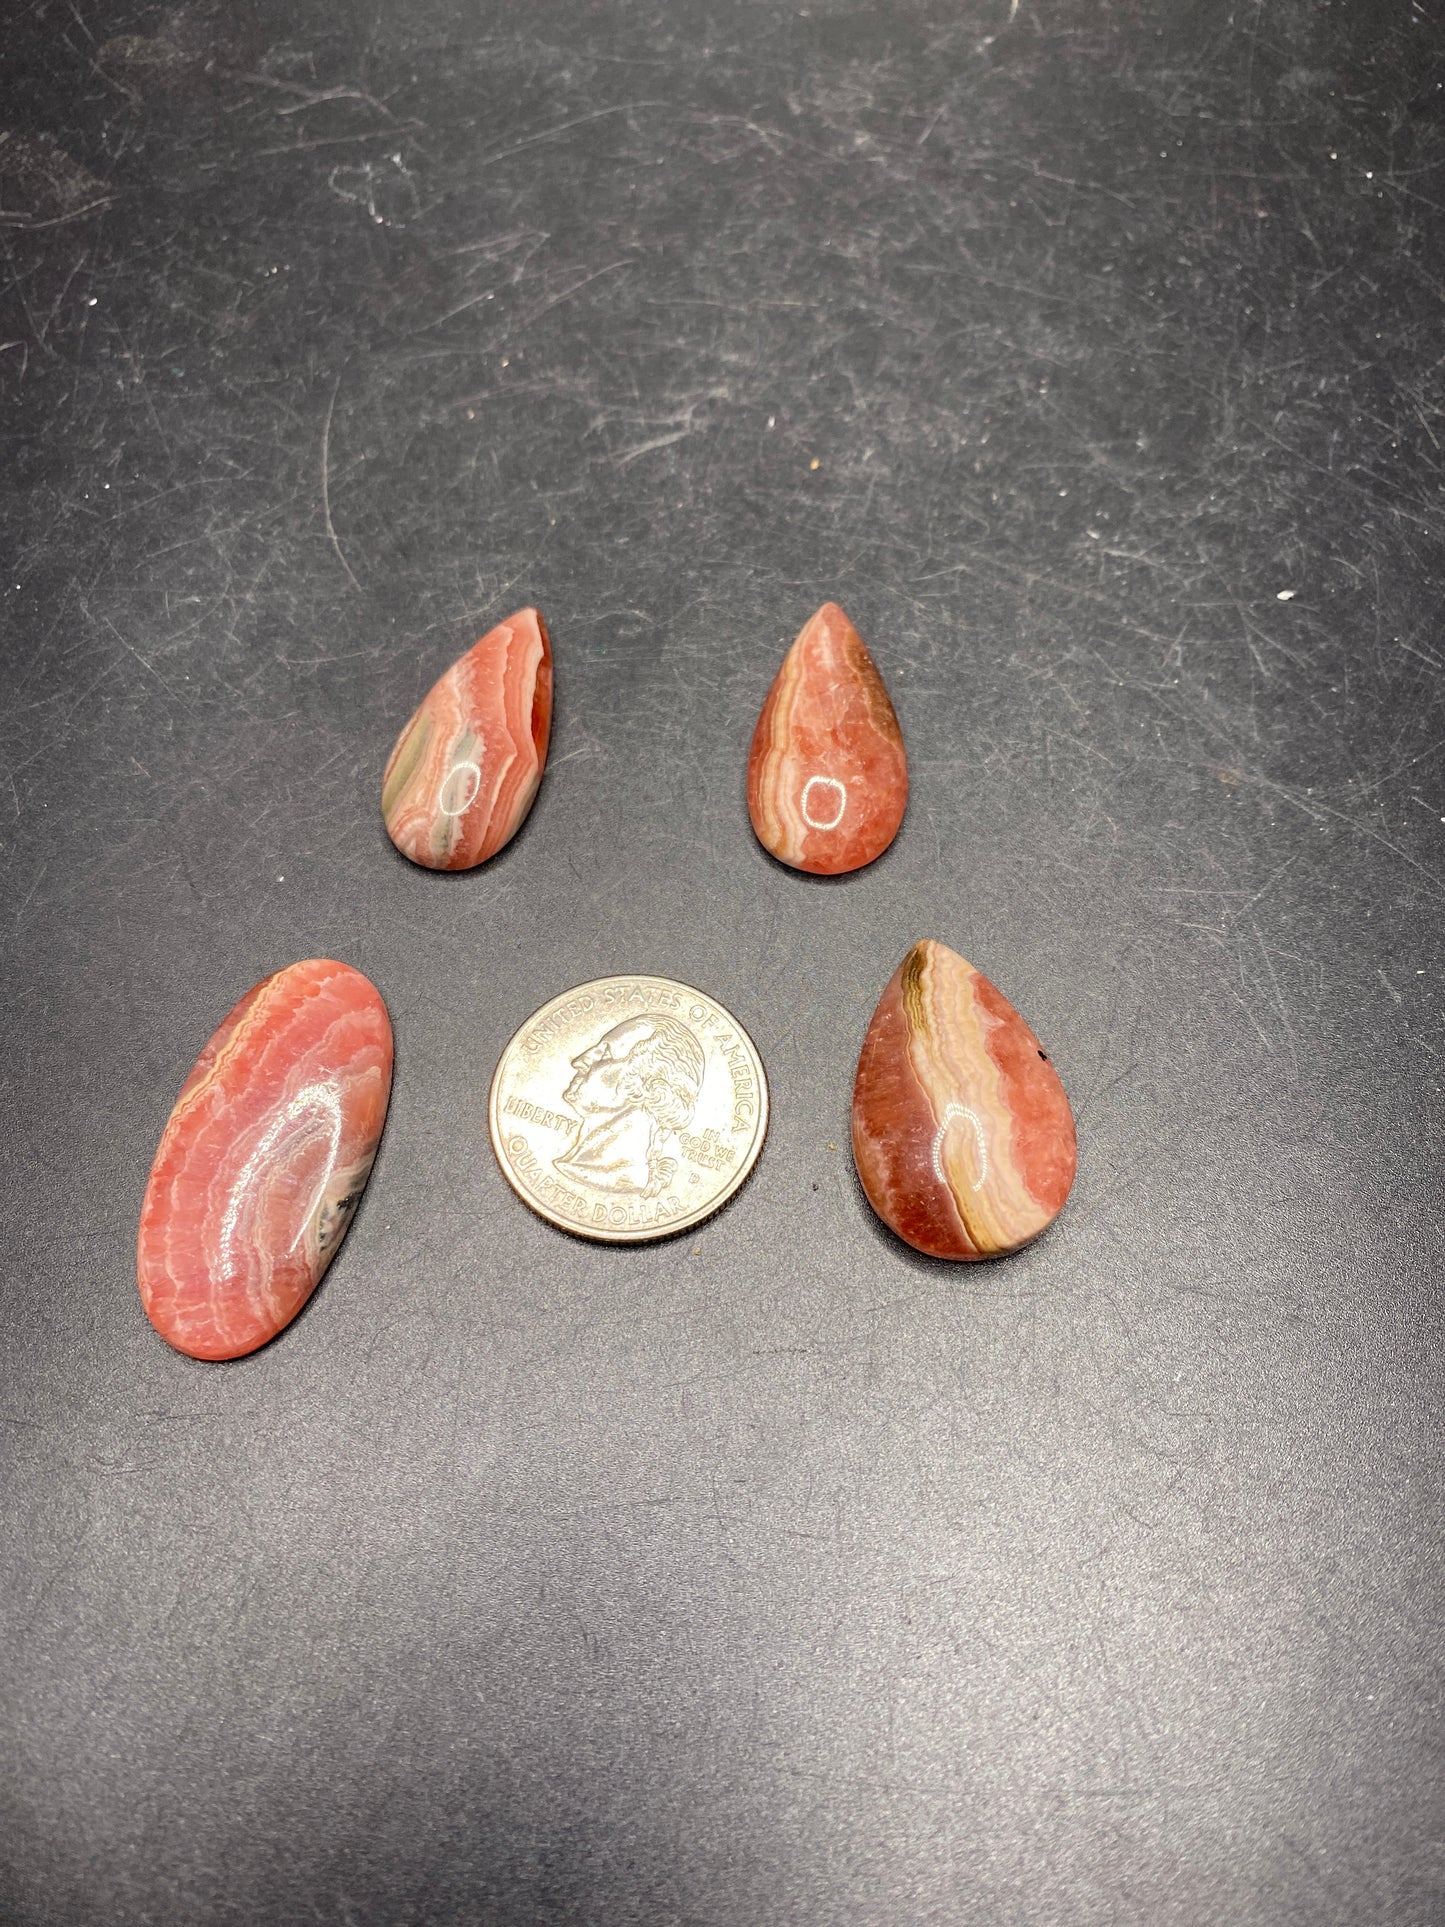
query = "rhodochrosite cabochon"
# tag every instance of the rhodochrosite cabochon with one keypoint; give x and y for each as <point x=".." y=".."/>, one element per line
<point x="962" y="1133"/>
<point x="466" y="768"/>
<point x="827" y="774"/>
<point x="263" y="1159"/>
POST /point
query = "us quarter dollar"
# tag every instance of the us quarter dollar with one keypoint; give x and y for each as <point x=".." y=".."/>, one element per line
<point x="628" y="1108"/>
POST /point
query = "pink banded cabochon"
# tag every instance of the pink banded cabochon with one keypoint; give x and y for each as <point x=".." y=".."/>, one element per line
<point x="962" y="1133"/>
<point x="263" y="1159"/>
<point x="465" y="770"/>
<point x="827" y="773"/>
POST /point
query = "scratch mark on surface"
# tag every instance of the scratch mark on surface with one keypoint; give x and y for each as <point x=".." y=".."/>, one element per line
<point x="332" y="140"/>
<point x="646" y="448"/>
<point x="338" y="93"/>
<point x="326" y="485"/>
<point x="567" y="294"/>
<point x="562" y="127"/>
<point x="11" y="217"/>
<point x="1279" y="998"/>
<point x="30" y="894"/>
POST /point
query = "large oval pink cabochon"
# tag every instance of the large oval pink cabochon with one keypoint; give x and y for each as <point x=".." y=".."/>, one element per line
<point x="264" y="1158"/>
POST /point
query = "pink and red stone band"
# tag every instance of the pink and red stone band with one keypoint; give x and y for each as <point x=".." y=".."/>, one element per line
<point x="962" y="1134"/>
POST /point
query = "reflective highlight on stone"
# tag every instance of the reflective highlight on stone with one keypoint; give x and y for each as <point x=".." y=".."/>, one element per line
<point x="962" y="1132"/>
<point x="466" y="768"/>
<point x="263" y="1159"/>
<point x="827" y="776"/>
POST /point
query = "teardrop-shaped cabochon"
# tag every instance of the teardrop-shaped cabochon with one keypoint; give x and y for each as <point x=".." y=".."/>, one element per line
<point x="962" y="1133"/>
<point x="827" y="774"/>
<point x="466" y="769"/>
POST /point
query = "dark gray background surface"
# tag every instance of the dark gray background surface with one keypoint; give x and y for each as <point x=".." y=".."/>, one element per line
<point x="773" y="1575"/>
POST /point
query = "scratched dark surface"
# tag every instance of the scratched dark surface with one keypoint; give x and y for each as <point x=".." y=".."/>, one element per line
<point x="1091" y="357"/>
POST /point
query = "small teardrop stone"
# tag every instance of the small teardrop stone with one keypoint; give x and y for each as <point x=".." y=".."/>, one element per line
<point x="466" y="768"/>
<point x="962" y="1132"/>
<point x="263" y="1159"/>
<point x="827" y="776"/>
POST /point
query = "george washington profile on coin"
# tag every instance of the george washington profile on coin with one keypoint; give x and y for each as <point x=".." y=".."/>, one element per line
<point x="633" y="1090"/>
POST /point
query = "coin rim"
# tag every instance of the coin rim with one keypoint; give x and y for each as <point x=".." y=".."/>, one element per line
<point x="644" y="1234"/>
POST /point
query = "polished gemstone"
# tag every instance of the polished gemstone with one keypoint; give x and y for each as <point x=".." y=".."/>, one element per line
<point x="263" y="1159"/>
<point x="466" y="768"/>
<point x="827" y="776"/>
<point x="962" y="1133"/>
